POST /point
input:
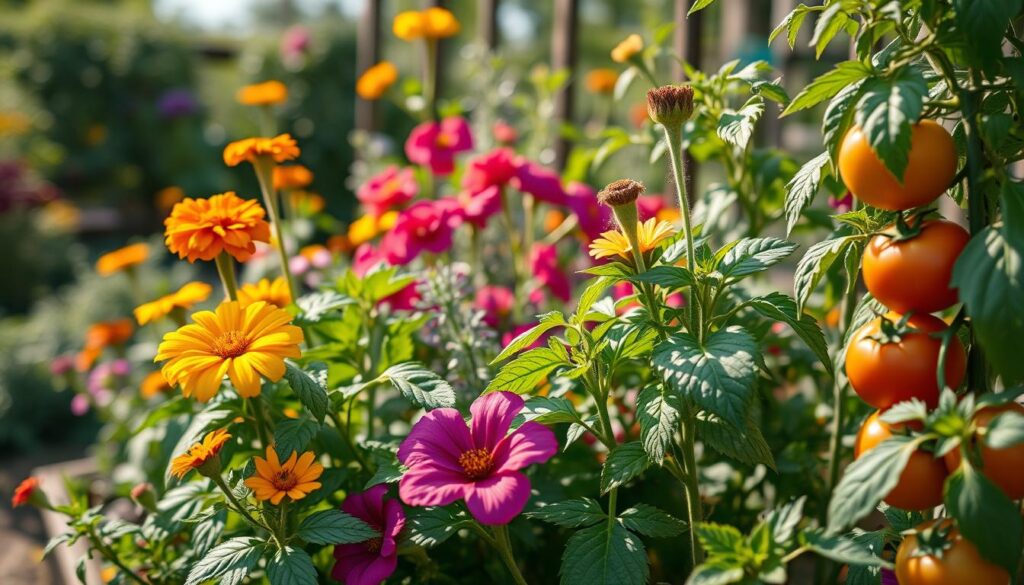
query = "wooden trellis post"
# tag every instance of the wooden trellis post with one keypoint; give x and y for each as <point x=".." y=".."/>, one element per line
<point x="487" y="23"/>
<point x="687" y="44"/>
<point x="563" y="56"/>
<point x="367" y="54"/>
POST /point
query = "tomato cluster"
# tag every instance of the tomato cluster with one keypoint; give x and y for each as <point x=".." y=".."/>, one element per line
<point x="935" y="554"/>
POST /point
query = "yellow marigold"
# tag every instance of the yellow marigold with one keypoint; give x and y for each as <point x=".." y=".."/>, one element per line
<point x="295" y="478"/>
<point x="202" y="455"/>
<point x="102" y="335"/>
<point x="650" y="233"/>
<point x="307" y="203"/>
<point x="243" y="343"/>
<point x="59" y="215"/>
<point x="153" y="384"/>
<point x="292" y="177"/>
<point x="376" y="80"/>
<point x="279" y="148"/>
<point x="168" y="196"/>
<point x="628" y="48"/>
<point x="267" y="93"/>
<point x="200" y="229"/>
<point x="184" y="298"/>
<point x="274" y="292"/>
<point x="408" y="25"/>
<point x="14" y="123"/>
<point x="432" y="23"/>
<point x="369" y="227"/>
<point x="122" y="259"/>
<point x="602" y="81"/>
<point x="669" y="214"/>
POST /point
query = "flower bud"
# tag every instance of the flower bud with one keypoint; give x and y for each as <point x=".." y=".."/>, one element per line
<point x="621" y="192"/>
<point x="670" y="105"/>
<point x="144" y="496"/>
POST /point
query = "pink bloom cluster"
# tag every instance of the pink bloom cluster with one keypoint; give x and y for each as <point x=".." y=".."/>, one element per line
<point x="373" y="561"/>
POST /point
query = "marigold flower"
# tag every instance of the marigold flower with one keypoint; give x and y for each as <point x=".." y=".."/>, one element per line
<point x="372" y="561"/>
<point x="100" y="336"/>
<point x="267" y="93"/>
<point x="376" y="80"/>
<point x="200" y="229"/>
<point x="166" y="198"/>
<point x="432" y="23"/>
<point x="628" y="48"/>
<point x="122" y="259"/>
<point x="670" y="105"/>
<point x="202" y="456"/>
<point x="184" y="298"/>
<point x="650" y="233"/>
<point x="274" y="292"/>
<point x="307" y="203"/>
<point x="601" y="81"/>
<point x="153" y="384"/>
<point x="480" y="464"/>
<point x="280" y="148"/>
<point x="295" y="478"/>
<point x="369" y="227"/>
<point x="292" y="177"/>
<point x="23" y="493"/>
<point x="243" y="343"/>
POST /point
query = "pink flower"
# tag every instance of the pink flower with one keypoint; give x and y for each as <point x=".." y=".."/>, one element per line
<point x="623" y="289"/>
<point x="496" y="302"/>
<point x="594" y="218"/>
<point x="480" y="464"/>
<point x="505" y="133"/>
<point x="477" y="208"/>
<point x="392" y="187"/>
<point x="841" y="204"/>
<point x="435" y="144"/>
<point x="541" y="182"/>
<point x="425" y="226"/>
<point x="295" y="42"/>
<point x="62" y="364"/>
<point x="494" y="168"/>
<point x="367" y="257"/>
<point x="372" y="561"/>
<point x="544" y="265"/>
<point x="648" y="206"/>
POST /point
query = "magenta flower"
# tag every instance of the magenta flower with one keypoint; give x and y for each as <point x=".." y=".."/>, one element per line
<point x="367" y="257"/>
<point x="295" y="42"/>
<point x="435" y="144"/>
<point x="496" y="302"/>
<point x="648" y="206"/>
<point x="477" y="208"/>
<point x="373" y="561"/>
<point x="480" y="464"/>
<point x="841" y="204"/>
<point x="390" y="188"/>
<point x="425" y="226"/>
<point x="547" y="273"/>
<point x="62" y="364"/>
<point x="487" y="170"/>
<point x="541" y="182"/>
<point x="594" y="218"/>
<point x="504" y="133"/>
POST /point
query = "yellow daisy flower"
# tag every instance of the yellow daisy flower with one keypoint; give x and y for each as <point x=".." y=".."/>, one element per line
<point x="295" y="478"/>
<point x="614" y="243"/>
<point x="200" y="454"/>
<point x="184" y="298"/>
<point x="274" y="292"/>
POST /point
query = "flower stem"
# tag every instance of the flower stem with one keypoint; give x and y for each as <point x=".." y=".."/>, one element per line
<point x="504" y="546"/>
<point x="111" y="556"/>
<point x="529" y="218"/>
<point x="226" y="270"/>
<point x="261" y="422"/>
<point x="694" y="512"/>
<point x="238" y="507"/>
<point x="430" y="79"/>
<point x="264" y="174"/>
<point x="674" y="136"/>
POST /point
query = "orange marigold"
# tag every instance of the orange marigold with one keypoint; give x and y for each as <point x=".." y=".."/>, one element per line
<point x="102" y="335"/>
<point x="628" y="48"/>
<point x="602" y="81"/>
<point x="122" y="259"/>
<point x="274" y="292"/>
<point x="295" y="478"/>
<point x="267" y="93"/>
<point x="432" y="23"/>
<point x="200" y="229"/>
<point x="153" y="384"/>
<point x="23" y="493"/>
<point x="279" y="148"/>
<point x="292" y="177"/>
<point x="202" y="456"/>
<point x="376" y="80"/>
<point x="184" y="298"/>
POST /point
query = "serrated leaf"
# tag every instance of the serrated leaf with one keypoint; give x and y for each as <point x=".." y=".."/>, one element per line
<point x="650" y="521"/>
<point x="291" y="566"/>
<point x="315" y="306"/>
<point x="886" y="111"/>
<point x="310" y="387"/>
<point x="522" y="374"/>
<point x="780" y="307"/>
<point x="719" y="539"/>
<point x="802" y="188"/>
<point x="670" y="277"/>
<point x="658" y="413"/>
<point x="229" y="561"/>
<point x="867" y="480"/>
<point x="421" y="386"/>
<point x="745" y="444"/>
<point x="293" y="434"/>
<point x="335" y="527"/>
<point x="815" y="262"/>
<point x="983" y="22"/>
<point x="699" y="5"/>
<point x="429" y="527"/>
<point x="985" y="516"/>
<point x="832" y="20"/>
<point x="839" y="116"/>
<point x="718" y="376"/>
<point x="571" y="513"/>
<point x="548" y="410"/>
<point x="783" y="521"/>
<point x="828" y="85"/>
<point x="753" y="255"/>
<point x="791" y="24"/>
<point x="525" y="339"/>
<point x="623" y="464"/>
<point x="736" y="127"/>
<point x="605" y="554"/>
<point x="840" y="549"/>
<point x="1005" y="430"/>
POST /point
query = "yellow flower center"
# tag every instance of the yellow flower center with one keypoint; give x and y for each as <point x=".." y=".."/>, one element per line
<point x="476" y="463"/>
<point x="231" y="344"/>
<point x="284" y="481"/>
<point x="443" y="140"/>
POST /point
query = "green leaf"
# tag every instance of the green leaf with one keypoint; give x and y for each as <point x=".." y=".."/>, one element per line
<point x="699" y="5"/>
<point x="595" y="290"/>
<point x="839" y="116"/>
<point x="658" y="412"/>
<point x="783" y="521"/>
<point x="522" y="374"/>
<point x="615" y="270"/>
<point x="718" y="376"/>
<point x="207" y="533"/>
<point x="292" y="435"/>
<point x="549" y="411"/>
<point x="546" y="322"/>
<point x="886" y="112"/>
<point x="752" y="255"/>
<point x="719" y="539"/>
<point x="291" y="566"/>
<point x="867" y="480"/>
<point x="832" y="20"/>
<point x="429" y="527"/>
<point x="335" y="527"/>
<point x="802" y="188"/>
<point x="571" y="513"/>
<point x="229" y="562"/>
<point x="985" y="516"/>
<point x="55" y="542"/>
<point x="840" y="549"/>
<point x="828" y="85"/>
<point x="1005" y="430"/>
<point x="315" y="306"/>
<point x="650" y="521"/>
<point x="718" y="571"/>
<point x="310" y="387"/>
<point x="815" y="263"/>
<point x="670" y="277"/>
<point x="990" y="279"/>
<point x="421" y="386"/>
<point x="983" y="22"/>
<point x="623" y="464"/>
<point x="736" y="127"/>
<point x="772" y="91"/>
<point x="791" y="24"/>
<point x="604" y="554"/>
<point x="745" y="444"/>
<point x="780" y="307"/>
<point x="622" y="84"/>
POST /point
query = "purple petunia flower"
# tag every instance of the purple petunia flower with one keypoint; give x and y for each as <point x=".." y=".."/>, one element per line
<point x="175" y="103"/>
<point x="373" y="561"/>
<point x="480" y="464"/>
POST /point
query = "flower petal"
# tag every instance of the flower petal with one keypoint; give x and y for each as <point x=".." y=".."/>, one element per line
<point x="492" y="417"/>
<point x="440" y="437"/>
<point x="431" y="486"/>
<point x="499" y="498"/>
<point x="530" y="443"/>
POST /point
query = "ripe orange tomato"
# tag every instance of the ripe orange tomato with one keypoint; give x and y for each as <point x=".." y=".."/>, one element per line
<point x="920" y="484"/>
<point x="884" y="374"/>
<point x="1002" y="466"/>
<point x="914" y="274"/>
<point x="959" y="564"/>
<point x="930" y="169"/>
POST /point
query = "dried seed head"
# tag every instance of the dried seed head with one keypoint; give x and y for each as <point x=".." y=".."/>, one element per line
<point x="621" y="192"/>
<point x="670" y="105"/>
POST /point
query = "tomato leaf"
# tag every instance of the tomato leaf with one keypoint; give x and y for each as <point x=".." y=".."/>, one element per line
<point x="828" y="85"/>
<point x="985" y="516"/>
<point x="780" y="307"/>
<point x="802" y="188"/>
<point x="815" y="263"/>
<point x="867" y="480"/>
<point x="886" y="112"/>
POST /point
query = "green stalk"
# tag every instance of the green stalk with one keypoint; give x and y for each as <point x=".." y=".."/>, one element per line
<point x="226" y="270"/>
<point x="111" y="556"/>
<point x="504" y="546"/>
<point x="674" y="137"/>
<point x="529" y="219"/>
<point x="264" y="174"/>
<point x="430" y="79"/>
<point x="694" y="511"/>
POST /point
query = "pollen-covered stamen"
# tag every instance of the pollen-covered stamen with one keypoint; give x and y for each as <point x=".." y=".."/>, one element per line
<point x="231" y="344"/>
<point x="373" y="545"/>
<point x="476" y="463"/>
<point x="285" y="480"/>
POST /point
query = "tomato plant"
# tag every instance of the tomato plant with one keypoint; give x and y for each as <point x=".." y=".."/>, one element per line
<point x="936" y="554"/>
<point x="920" y="484"/>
